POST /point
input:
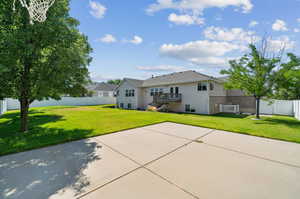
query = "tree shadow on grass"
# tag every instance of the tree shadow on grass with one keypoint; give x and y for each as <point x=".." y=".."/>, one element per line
<point x="49" y="171"/>
<point x="290" y="122"/>
<point x="10" y="124"/>
<point x="231" y="115"/>
<point x="109" y="106"/>
<point x="12" y="140"/>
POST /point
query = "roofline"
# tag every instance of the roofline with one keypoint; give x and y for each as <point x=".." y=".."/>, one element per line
<point x="124" y="80"/>
<point x="178" y="83"/>
<point x="211" y="78"/>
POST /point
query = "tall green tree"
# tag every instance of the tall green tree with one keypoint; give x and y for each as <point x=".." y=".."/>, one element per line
<point x="44" y="60"/>
<point x="287" y="79"/>
<point x="252" y="74"/>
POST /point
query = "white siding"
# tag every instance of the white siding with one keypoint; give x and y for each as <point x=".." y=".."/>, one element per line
<point x="218" y="90"/>
<point x="65" y="101"/>
<point x="121" y="98"/>
<point x="198" y="100"/>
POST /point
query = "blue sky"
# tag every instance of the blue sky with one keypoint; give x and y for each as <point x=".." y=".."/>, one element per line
<point x="140" y="38"/>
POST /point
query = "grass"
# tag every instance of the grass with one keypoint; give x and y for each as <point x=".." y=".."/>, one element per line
<point x="53" y="125"/>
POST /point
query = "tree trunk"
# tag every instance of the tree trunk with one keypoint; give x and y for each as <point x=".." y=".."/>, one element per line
<point x="25" y="80"/>
<point x="257" y="108"/>
<point x="24" y="97"/>
<point x="24" y="114"/>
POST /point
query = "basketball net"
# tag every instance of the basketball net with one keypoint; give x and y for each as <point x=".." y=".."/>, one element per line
<point x="37" y="9"/>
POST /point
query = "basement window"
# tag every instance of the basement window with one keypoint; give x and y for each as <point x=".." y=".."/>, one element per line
<point x="187" y="108"/>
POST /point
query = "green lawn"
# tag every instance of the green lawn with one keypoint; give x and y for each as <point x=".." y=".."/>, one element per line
<point x="53" y="125"/>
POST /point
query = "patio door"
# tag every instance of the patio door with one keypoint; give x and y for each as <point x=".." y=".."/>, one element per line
<point x="176" y="90"/>
<point x="171" y="90"/>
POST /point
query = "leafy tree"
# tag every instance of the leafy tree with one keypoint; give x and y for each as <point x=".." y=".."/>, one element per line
<point x="287" y="79"/>
<point x="114" y="81"/>
<point x="252" y="74"/>
<point x="44" y="60"/>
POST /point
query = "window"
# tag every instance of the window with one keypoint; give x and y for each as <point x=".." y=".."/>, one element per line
<point x="156" y="91"/>
<point x="211" y="86"/>
<point x="202" y="86"/>
<point x="129" y="106"/>
<point x="187" y="108"/>
<point x="152" y="92"/>
<point x="121" y="105"/>
<point x="130" y="93"/>
<point x="161" y="91"/>
<point x="105" y="94"/>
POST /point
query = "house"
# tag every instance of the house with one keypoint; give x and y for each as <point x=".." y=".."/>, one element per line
<point x="102" y="89"/>
<point x="187" y="91"/>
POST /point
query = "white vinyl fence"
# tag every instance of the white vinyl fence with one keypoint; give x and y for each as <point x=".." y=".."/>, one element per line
<point x="3" y="106"/>
<point x="297" y="109"/>
<point x="13" y="104"/>
<point x="277" y="107"/>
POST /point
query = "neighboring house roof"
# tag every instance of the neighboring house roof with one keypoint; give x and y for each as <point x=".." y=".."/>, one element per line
<point x="102" y="87"/>
<point x="177" y="78"/>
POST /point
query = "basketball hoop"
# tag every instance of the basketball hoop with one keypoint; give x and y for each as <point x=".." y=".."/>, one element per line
<point x="37" y="9"/>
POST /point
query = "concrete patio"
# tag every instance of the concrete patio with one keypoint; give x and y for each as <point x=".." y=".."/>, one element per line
<point x="160" y="161"/>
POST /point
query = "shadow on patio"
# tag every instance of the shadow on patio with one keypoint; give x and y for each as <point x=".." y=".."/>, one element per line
<point x="45" y="172"/>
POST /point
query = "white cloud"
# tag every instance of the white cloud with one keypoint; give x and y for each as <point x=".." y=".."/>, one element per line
<point x="296" y="30"/>
<point x="97" y="9"/>
<point x="253" y="24"/>
<point x="200" y="52"/>
<point x="136" y="40"/>
<point x="197" y="6"/>
<point x="298" y="20"/>
<point x="185" y="19"/>
<point x="279" y="43"/>
<point x="237" y="35"/>
<point x="161" y="68"/>
<point x="108" y="38"/>
<point x="279" y="25"/>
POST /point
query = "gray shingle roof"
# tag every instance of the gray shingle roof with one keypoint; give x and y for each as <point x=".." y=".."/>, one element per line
<point x="102" y="87"/>
<point x="176" y="78"/>
<point x="134" y="82"/>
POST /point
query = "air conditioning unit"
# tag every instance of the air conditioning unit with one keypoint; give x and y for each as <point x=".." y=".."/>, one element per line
<point x="229" y="108"/>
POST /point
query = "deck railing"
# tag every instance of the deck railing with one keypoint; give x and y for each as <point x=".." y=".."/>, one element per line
<point x="167" y="98"/>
